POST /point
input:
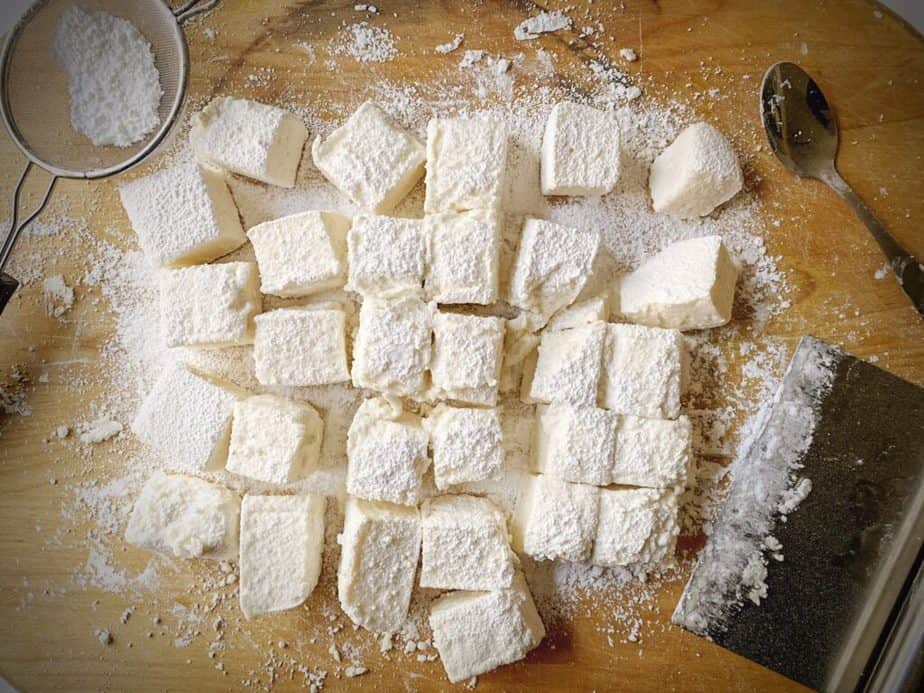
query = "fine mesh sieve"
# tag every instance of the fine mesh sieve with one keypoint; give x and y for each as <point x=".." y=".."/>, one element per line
<point x="35" y="104"/>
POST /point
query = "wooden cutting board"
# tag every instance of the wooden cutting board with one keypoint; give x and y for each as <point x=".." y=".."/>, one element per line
<point x="871" y="66"/>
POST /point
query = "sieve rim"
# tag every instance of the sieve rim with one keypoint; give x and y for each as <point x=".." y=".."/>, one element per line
<point x="6" y="111"/>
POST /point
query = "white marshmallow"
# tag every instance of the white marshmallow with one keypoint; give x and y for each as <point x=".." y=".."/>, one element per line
<point x="568" y="366"/>
<point x="642" y="370"/>
<point x="467" y="352"/>
<point x="386" y="454"/>
<point x="689" y="285"/>
<point x="555" y="520"/>
<point x="370" y="159"/>
<point x="387" y="256"/>
<point x="465" y="545"/>
<point x="183" y="215"/>
<point x="282" y="538"/>
<point x="466" y="444"/>
<point x="301" y="254"/>
<point x="209" y="305"/>
<point x="503" y="492"/>
<point x="576" y="444"/>
<point x="551" y="267"/>
<point x="249" y="138"/>
<point x="580" y="151"/>
<point x="466" y="164"/>
<point x="596" y="309"/>
<point x="636" y="527"/>
<point x="652" y="452"/>
<point x="273" y="439"/>
<point x="475" y="632"/>
<point x="391" y="352"/>
<point x="301" y="347"/>
<point x="185" y="517"/>
<point x="463" y="257"/>
<point x="187" y="418"/>
<point x="695" y="174"/>
<point x="380" y="545"/>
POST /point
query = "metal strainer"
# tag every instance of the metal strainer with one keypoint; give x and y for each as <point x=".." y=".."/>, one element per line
<point x="35" y="106"/>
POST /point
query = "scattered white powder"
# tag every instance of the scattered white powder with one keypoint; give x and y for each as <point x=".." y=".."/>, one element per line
<point x="451" y="45"/>
<point x="628" y="54"/>
<point x="113" y="83"/>
<point x="98" y="431"/>
<point x="59" y="297"/>
<point x="882" y="272"/>
<point x="367" y="44"/>
<point x="542" y="23"/>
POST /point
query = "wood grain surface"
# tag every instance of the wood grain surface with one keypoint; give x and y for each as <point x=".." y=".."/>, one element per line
<point x="871" y="67"/>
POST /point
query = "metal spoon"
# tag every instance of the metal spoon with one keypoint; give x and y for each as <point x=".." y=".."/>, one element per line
<point x="803" y="134"/>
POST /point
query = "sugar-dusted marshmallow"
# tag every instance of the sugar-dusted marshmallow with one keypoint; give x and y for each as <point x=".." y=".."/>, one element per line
<point x="642" y="369"/>
<point x="301" y="346"/>
<point x="386" y="454"/>
<point x="466" y="444"/>
<point x="576" y="444"/>
<point x="568" y="366"/>
<point x="185" y="517"/>
<point x="467" y="352"/>
<point x="596" y="309"/>
<point x="465" y="545"/>
<point x="379" y="548"/>
<point x="249" y="138"/>
<point x="580" y="151"/>
<point x="652" y="452"/>
<point x="555" y="520"/>
<point x="475" y="632"/>
<point x="636" y="527"/>
<point x="689" y="285"/>
<point x="282" y="539"/>
<point x="273" y="439"/>
<point x="370" y="159"/>
<point x="209" y="305"/>
<point x="387" y="256"/>
<point x="187" y="418"/>
<point x="552" y="265"/>
<point x="391" y="351"/>
<point x="466" y="164"/>
<point x="183" y="215"/>
<point x="463" y="253"/>
<point x="695" y="174"/>
<point x="301" y="254"/>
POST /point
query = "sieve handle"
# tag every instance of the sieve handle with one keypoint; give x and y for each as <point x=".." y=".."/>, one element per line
<point x="192" y="8"/>
<point x="8" y="285"/>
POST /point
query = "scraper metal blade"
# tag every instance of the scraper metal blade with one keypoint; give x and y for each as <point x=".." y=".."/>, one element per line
<point x="843" y="608"/>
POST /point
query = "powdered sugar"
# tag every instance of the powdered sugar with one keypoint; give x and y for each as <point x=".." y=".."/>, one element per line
<point x="542" y="23"/>
<point x="367" y="44"/>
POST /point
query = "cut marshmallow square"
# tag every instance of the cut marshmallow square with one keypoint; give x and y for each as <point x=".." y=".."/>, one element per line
<point x="301" y="347"/>
<point x="387" y="256"/>
<point x="183" y="215"/>
<point x="370" y="159"/>
<point x="552" y="265"/>
<point x="209" y="305"/>
<point x="689" y="285"/>
<point x="652" y="452"/>
<point x="185" y="517"/>
<point x="695" y="174"/>
<point x="475" y="632"/>
<point x="596" y="309"/>
<point x="465" y="545"/>
<point x="580" y="151"/>
<point x="379" y="548"/>
<point x="282" y="539"/>
<point x="274" y="440"/>
<point x="636" y="527"/>
<point x="555" y="520"/>
<point x="187" y="419"/>
<point x="577" y="444"/>
<point x="463" y="252"/>
<point x="301" y="254"/>
<point x="642" y="369"/>
<point x="466" y="164"/>
<point x="467" y="351"/>
<point x="391" y="352"/>
<point x="568" y="366"/>
<point x="503" y="492"/>
<point x="249" y="138"/>
<point x="466" y="444"/>
<point x="386" y="454"/>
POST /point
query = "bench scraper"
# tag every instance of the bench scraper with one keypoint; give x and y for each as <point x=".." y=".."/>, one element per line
<point x="832" y="484"/>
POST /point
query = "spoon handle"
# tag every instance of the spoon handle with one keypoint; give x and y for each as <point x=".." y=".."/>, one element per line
<point x="908" y="271"/>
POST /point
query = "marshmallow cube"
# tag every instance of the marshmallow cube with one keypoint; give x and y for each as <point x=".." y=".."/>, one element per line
<point x="301" y="347"/>
<point x="577" y="444"/>
<point x="580" y="151"/>
<point x="596" y="309"/>
<point x="652" y="452"/>
<point x="636" y="527"/>
<point x="568" y="366"/>
<point x="555" y="520"/>
<point x="466" y="444"/>
<point x="370" y="159"/>
<point x="695" y="174"/>
<point x="463" y="252"/>
<point x="387" y="256"/>
<point x="467" y="352"/>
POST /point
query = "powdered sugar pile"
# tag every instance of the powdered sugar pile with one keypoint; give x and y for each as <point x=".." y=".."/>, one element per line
<point x="542" y="23"/>
<point x="367" y="44"/>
